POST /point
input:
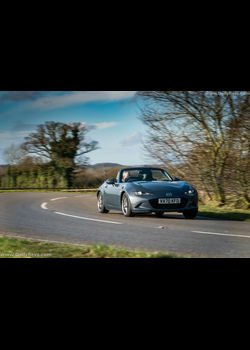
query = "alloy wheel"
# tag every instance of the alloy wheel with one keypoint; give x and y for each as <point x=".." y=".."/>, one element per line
<point x="125" y="205"/>
<point x="100" y="202"/>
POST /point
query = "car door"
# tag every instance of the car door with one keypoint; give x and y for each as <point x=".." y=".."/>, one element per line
<point x="112" y="194"/>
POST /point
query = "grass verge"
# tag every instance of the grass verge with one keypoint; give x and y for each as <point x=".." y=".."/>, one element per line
<point x="224" y="213"/>
<point x="18" y="248"/>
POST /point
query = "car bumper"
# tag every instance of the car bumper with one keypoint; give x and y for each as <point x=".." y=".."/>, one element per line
<point x="145" y="205"/>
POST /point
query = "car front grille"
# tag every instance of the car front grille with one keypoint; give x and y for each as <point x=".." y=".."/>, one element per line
<point x="155" y="205"/>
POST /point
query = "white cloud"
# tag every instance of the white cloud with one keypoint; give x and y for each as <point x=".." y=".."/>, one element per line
<point x="19" y="129"/>
<point x="6" y="135"/>
<point x="16" y="134"/>
<point x="78" y="97"/>
<point x="106" y="125"/>
<point x="7" y="138"/>
<point x="99" y="126"/>
<point x="132" y="139"/>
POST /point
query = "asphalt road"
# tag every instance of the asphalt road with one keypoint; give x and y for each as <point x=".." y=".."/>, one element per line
<point x="74" y="218"/>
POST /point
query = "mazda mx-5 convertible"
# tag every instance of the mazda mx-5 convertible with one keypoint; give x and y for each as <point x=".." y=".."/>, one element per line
<point x="146" y="190"/>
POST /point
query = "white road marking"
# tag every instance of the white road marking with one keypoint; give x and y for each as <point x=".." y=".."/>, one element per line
<point x="44" y="206"/>
<point x="80" y="217"/>
<point x="56" y="199"/>
<point x="82" y="196"/>
<point x="220" y="234"/>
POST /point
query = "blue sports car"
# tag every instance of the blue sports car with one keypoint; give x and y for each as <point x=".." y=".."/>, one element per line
<point x="146" y="190"/>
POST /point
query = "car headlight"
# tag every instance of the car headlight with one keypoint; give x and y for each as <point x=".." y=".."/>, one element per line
<point x="140" y="193"/>
<point x="190" y="192"/>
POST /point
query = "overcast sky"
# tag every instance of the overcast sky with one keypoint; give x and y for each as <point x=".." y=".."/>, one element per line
<point x="111" y="117"/>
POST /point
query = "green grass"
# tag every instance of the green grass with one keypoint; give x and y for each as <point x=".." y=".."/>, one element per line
<point x="17" y="248"/>
<point x="225" y="213"/>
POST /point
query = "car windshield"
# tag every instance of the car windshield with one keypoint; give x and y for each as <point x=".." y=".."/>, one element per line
<point x="145" y="175"/>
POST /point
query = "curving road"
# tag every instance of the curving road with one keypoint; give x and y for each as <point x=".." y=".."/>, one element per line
<point x="74" y="218"/>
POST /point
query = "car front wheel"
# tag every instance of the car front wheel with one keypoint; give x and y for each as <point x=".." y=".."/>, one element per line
<point x="100" y="204"/>
<point x="126" y="206"/>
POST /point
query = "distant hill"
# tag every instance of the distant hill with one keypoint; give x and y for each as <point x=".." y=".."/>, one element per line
<point x="4" y="166"/>
<point x="116" y="165"/>
<point x="95" y="166"/>
<point x="105" y="165"/>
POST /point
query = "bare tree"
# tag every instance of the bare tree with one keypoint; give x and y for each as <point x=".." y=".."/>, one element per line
<point x="58" y="140"/>
<point x="14" y="155"/>
<point x="196" y="128"/>
<point x="242" y="162"/>
<point x="61" y="144"/>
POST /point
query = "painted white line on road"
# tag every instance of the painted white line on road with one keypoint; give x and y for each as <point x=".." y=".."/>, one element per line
<point x="220" y="234"/>
<point x="43" y="206"/>
<point x="80" y="217"/>
<point x="82" y="196"/>
<point x="56" y="199"/>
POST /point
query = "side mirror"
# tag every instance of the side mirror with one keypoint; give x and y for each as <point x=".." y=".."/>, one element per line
<point x="176" y="179"/>
<point x="110" y="181"/>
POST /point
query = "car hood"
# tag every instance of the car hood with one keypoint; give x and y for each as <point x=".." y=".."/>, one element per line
<point x="161" y="186"/>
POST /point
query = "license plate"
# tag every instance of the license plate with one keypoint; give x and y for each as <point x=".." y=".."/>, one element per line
<point x="169" y="201"/>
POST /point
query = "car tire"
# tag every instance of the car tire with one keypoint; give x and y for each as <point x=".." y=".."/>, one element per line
<point x="159" y="214"/>
<point x="100" y="204"/>
<point x="190" y="214"/>
<point x="126" y="206"/>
